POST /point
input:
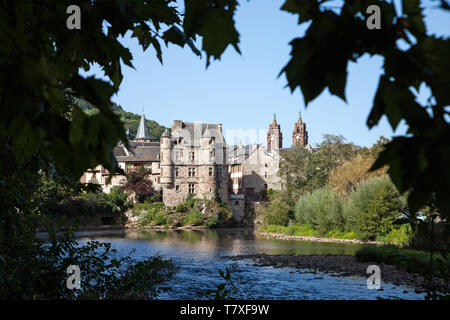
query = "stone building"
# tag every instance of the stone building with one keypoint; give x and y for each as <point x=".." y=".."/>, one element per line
<point x="193" y="161"/>
<point x="300" y="135"/>
<point x="274" y="136"/>
<point x="193" y="158"/>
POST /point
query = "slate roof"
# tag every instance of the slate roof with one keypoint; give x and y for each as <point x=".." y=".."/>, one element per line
<point x="191" y="132"/>
<point x="142" y="132"/>
<point x="137" y="152"/>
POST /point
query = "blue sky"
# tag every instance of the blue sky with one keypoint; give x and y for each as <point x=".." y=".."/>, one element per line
<point x="243" y="91"/>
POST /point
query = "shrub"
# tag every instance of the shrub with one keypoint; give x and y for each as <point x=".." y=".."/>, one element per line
<point x="148" y="212"/>
<point x="119" y="198"/>
<point x="194" y="217"/>
<point x="401" y="235"/>
<point x="277" y="212"/>
<point x="373" y="207"/>
<point x="322" y="209"/>
<point x="160" y="218"/>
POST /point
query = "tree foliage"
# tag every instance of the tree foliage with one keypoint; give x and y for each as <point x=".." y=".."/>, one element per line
<point x="373" y="207"/>
<point x="303" y="171"/>
<point x="419" y="162"/>
<point x="346" y="177"/>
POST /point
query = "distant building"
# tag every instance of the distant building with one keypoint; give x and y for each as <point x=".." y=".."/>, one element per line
<point x="193" y="158"/>
<point x="300" y="135"/>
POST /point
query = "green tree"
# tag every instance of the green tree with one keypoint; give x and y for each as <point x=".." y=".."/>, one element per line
<point x="419" y="162"/>
<point x="322" y="209"/>
<point x="373" y="207"/>
<point x="303" y="171"/>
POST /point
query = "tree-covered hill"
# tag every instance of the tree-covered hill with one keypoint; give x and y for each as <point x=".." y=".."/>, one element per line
<point x="130" y="120"/>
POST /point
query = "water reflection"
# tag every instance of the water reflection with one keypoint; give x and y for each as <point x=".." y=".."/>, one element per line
<point x="199" y="254"/>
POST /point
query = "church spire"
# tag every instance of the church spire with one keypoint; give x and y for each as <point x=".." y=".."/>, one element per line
<point x="142" y="132"/>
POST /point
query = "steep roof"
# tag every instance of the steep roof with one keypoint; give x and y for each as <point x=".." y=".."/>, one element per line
<point x="137" y="152"/>
<point x="142" y="132"/>
<point x="191" y="132"/>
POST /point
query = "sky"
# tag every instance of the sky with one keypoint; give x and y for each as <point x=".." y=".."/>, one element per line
<point x="244" y="91"/>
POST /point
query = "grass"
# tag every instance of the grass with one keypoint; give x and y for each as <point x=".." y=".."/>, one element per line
<point x="305" y="230"/>
<point x="410" y="259"/>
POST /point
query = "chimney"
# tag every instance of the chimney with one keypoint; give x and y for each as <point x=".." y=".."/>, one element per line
<point x="177" y="124"/>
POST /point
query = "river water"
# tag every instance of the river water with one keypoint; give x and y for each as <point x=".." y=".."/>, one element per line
<point x="200" y="255"/>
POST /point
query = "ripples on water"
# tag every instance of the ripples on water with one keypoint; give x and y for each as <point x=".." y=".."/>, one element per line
<point x="199" y="255"/>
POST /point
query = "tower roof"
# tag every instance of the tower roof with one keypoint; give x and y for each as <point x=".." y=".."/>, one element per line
<point x="166" y="134"/>
<point x="142" y="132"/>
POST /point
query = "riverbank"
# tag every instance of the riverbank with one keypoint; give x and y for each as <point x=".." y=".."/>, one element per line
<point x="280" y="236"/>
<point x="341" y="266"/>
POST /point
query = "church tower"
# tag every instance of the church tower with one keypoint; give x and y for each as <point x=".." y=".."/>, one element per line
<point x="300" y="135"/>
<point x="274" y="136"/>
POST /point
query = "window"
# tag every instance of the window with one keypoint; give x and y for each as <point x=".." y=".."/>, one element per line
<point x="211" y="155"/>
<point x="177" y="171"/>
<point x="211" y="172"/>
<point x="192" y="156"/>
<point x="177" y="188"/>
<point x="191" y="172"/>
<point x="265" y="165"/>
<point x="191" y="188"/>
<point x="265" y="175"/>
<point x="219" y="172"/>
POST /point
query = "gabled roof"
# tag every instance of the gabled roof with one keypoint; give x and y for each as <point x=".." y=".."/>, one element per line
<point x="137" y="152"/>
<point x="191" y="132"/>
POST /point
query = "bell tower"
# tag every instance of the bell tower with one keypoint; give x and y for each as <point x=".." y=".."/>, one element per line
<point x="300" y="135"/>
<point x="274" y="136"/>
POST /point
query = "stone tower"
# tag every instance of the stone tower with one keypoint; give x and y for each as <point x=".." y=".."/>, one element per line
<point x="300" y="135"/>
<point x="166" y="160"/>
<point x="274" y="136"/>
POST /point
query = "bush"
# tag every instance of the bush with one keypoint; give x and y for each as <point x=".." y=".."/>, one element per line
<point x="119" y="198"/>
<point x="148" y="212"/>
<point x="160" y="218"/>
<point x="373" y="207"/>
<point x="401" y="235"/>
<point x="194" y="217"/>
<point x="277" y="212"/>
<point x="322" y="209"/>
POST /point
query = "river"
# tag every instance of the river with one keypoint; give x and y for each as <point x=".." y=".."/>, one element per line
<point x="200" y="255"/>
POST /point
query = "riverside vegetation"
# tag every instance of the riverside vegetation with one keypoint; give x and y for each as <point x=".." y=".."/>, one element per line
<point x="333" y="193"/>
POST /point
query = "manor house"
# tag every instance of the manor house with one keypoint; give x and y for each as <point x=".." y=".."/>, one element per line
<point x="194" y="158"/>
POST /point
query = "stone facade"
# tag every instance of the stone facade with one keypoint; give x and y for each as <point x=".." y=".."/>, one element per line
<point x="300" y="135"/>
<point x="193" y="161"/>
<point x="274" y="136"/>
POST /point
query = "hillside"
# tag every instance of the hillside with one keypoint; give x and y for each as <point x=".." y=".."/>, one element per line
<point x="129" y="119"/>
